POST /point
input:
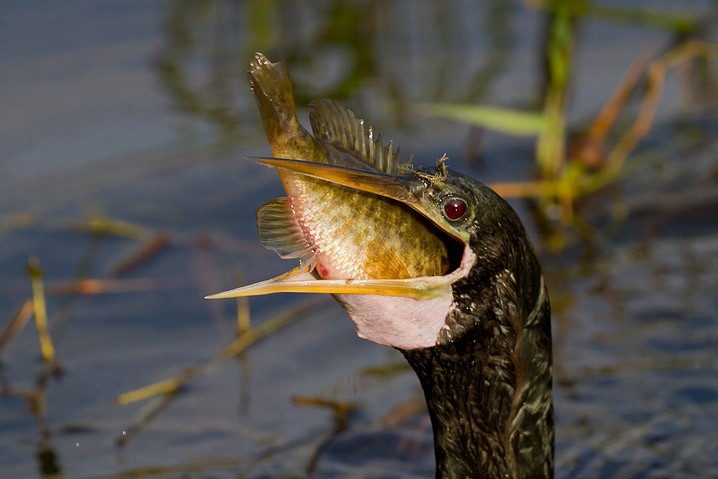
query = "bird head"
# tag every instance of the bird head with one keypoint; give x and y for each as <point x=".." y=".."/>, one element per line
<point x="483" y="235"/>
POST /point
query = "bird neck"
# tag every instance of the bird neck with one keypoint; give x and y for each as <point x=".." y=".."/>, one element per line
<point x="488" y="392"/>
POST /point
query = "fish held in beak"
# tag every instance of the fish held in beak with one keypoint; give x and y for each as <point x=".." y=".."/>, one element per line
<point x="411" y="188"/>
<point x="406" y="189"/>
<point x="359" y="220"/>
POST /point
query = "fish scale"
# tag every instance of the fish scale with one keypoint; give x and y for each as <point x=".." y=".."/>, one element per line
<point x="311" y="223"/>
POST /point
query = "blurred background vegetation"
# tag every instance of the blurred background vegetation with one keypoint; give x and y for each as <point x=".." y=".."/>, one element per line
<point x="124" y="179"/>
<point x="400" y="62"/>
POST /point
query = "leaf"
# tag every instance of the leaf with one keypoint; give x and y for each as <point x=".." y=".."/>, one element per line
<point x="510" y="122"/>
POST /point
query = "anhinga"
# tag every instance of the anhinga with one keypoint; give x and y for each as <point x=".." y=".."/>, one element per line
<point x="478" y="336"/>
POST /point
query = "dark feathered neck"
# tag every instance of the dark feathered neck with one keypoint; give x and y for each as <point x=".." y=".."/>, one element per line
<point x="488" y="390"/>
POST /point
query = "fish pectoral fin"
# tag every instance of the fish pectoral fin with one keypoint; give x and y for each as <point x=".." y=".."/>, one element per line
<point x="278" y="230"/>
<point x="335" y="124"/>
<point x="383" y="262"/>
<point x="299" y="280"/>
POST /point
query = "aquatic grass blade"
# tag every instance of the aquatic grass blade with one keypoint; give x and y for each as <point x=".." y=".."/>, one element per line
<point x="39" y="306"/>
<point x="504" y="120"/>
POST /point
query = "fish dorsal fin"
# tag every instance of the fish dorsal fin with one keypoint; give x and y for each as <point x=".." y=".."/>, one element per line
<point x="279" y="231"/>
<point x="335" y="124"/>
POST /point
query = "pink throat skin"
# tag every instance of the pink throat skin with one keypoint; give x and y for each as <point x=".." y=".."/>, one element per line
<point x="403" y="323"/>
<point x="396" y="321"/>
<point x="406" y="323"/>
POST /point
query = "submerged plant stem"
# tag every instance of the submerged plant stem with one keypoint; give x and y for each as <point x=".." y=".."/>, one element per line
<point x="236" y="347"/>
<point x="656" y="76"/>
<point x="17" y="323"/>
<point x="38" y="298"/>
<point x="146" y="251"/>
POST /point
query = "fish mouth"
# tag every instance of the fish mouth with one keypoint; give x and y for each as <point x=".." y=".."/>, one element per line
<point x="408" y="189"/>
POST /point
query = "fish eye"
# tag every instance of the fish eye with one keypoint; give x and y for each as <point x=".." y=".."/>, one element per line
<point x="455" y="208"/>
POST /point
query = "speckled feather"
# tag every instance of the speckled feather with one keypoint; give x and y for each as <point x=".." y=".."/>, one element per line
<point x="488" y="382"/>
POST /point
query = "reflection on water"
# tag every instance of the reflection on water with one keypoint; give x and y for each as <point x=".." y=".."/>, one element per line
<point x="372" y="53"/>
<point x="118" y="114"/>
<point x="637" y="373"/>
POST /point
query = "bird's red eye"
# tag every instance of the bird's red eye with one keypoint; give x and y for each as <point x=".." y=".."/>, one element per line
<point x="455" y="208"/>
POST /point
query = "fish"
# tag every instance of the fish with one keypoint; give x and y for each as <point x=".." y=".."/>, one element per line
<point x="377" y="255"/>
<point x="316" y="221"/>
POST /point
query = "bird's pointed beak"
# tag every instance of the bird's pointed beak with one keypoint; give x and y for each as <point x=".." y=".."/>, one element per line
<point x="405" y="188"/>
<point x="301" y="281"/>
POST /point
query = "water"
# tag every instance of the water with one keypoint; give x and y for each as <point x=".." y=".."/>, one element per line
<point x="140" y="112"/>
<point x="636" y="365"/>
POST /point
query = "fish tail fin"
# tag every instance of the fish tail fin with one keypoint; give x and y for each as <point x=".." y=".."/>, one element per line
<point x="273" y="91"/>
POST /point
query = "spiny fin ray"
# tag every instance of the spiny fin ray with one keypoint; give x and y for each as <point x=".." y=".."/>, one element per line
<point x="335" y="124"/>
